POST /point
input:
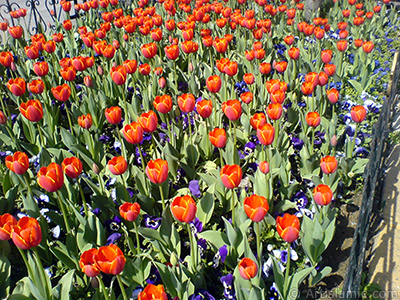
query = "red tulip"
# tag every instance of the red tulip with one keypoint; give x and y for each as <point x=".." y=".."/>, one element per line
<point x="17" y="86"/>
<point x="294" y="53"/>
<point x="157" y="171"/>
<point x="133" y="133"/>
<point x="172" y="52"/>
<point x="204" y="108"/>
<point x="129" y="211"/>
<point x="265" y="68"/>
<point x="247" y="268"/>
<point x="266" y="134"/>
<point x="3" y="118"/>
<point x="7" y="223"/>
<point x="130" y="66"/>
<point x="117" y="165"/>
<point x="18" y="163"/>
<point x="72" y="166"/>
<point x="153" y="292"/>
<point x="36" y="86"/>
<point x="163" y="104"/>
<point x="186" y="102"/>
<point x="231" y="68"/>
<point x="257" y="120"/>
<point x="274" y="111"/>
<point x="214" y="83"/>
<point x="264" y="167"/>
<point x="184" y="209"/>
<point x="6" y="59"/>
<point x="328" y="164"/>
<point x="288" y="227"/>
<point x="68" y="73"/>
<point x="342" y="45"/>
<point x="27" y="233"/>
<point x="368" y="47"/>
<point x="248" y="78"/>
<point x="333" y="95"/>
<point x="231" y="176"/>
<point x="118" y="75"/>
<point x="232" y="109"/>
<point x="322" y="194"/>
<point x="16" y="32"/>
<point x="87" y="263"/>
<point x="85" y="121"/>
<point x="281" y="66"/>
<point x="32" y="110"/>
<point x="149" y="50"/>
<point x="256" y="207"/>
<point x="313" y="119"/>
<point x="148" y="121"/>
<point x="110" y="259"/>
<point x="51" y="178"/>
<point x="358" y="113"/>
<point x="326" y="56"/>
<point x="218" y="137"/>
<point x="61" y="92"/>
<point x="144" y="69"/>
<point x="113" y="115"/>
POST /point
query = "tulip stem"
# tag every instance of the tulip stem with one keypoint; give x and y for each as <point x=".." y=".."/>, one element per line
<point x="121" y="285"/>
<point x="191" y="143"/>
<point x="192" y="249"/>
<point x="286" y="286"/>
<point x="233" y="202"/>
<point x="258" y="237"/>
<point x="124" y="100"/>
<point x="353" y="142"/>
<point x="23" y="255"/>
<point x="142" y="162"/>
<point x="40" y="135"/>
<point x="176" y="78"/>
<point x="83" y="198"/>
<point x="69" y="119"/>
<point x="162" y="197"/>
<point x="312" y="139"/>
<point x="122" y="143"/>
<point x="103" y="288"/>
<point x="137" y="238"/>
<point x="234" y="135"/>
<point x="221" y="158"/>
<point x="63" y="212"/>
<point x="41" y="269"/>
<point x="28" y="186"/>
<point x="276" y="125"/>
<point x="208" y="139"/>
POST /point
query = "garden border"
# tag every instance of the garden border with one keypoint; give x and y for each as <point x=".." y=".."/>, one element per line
<point x="380" y="132"/>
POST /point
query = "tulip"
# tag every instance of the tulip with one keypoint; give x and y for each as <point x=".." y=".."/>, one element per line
<point x="6" y="58"/>
<point x="358" y="43"/>
<point x="368" y="47"/>
<point x="144" y="69"/>
<point x="248" y="78"/>
<point x="117" y="165"/>
<point x="330" y="70"/>
<point x="26" y="233"/>
<point x="232" y="109"/>
<point x="328" y="164"/>
<point x="313" y="119"/>
<point x="118" y="75"/>
<point x="36" y="86"/>
<point x="129" y="211"/>
<point x="153" y="292"/>
<point x="250" y="55"/>
<point x="214" y="83"/>
<point x="265" y="68"/>
<point x="163" y="104"/>
<point x="322" y="194"/>
<point x="7" y="222"/>
<point x="281" y="66"/>
<point x="18" y="163"/>
<point x="67" y="25"/>
<point x="162" y="82"/>
<point x="358" y="113"/>
<point x="307" y="88"/>
<point x="130" y="66"/>
<point x="149" y="50"/>
<point x="256" y="207"/>
<point x="68" y="73"/>
<point x="288" y="227"/>
<point x="133" y="133"/>
<point x="148" y="121"/>
<point x="231" y="68"/>
<point x="264" y="167"/>
<point x="323" y="78"/>
<point x="204" y="108"/>
<point x="110" y="259"/>
<point x="17" y="86"/>
<point x="294" y="53"/>
<point x="231" y="176"/>
<point x="266" y="134"/>
<point x="79" y="63"/>
<point x="51" y="178"/>
<point x="61" y="92"/>
<point x="289" y="40"/>
<point x="157" y="171"/>
<point x="113" y="115"/>
<point x="172" y="52"/>
<point x="189" y="47"/>
<point x="87" y="263"/>
<point x="16" y="32"/>
<point x="3" y="118"/>
<point x="221" y="45"/>
<point x="274" y="111"/>
<point x="49" y="47"/>
<point x="341" y="45"/>
<point x="186" y="102"/>
<point x="184" y="209"/>
<point x="326" y="56"/>
<point x="218" y="137"/>
<point x="257" y="120"/>
<point x="32" y="110"/>
<point x="72" y="166"/>
<point x="248" y="269"/>
<point x="333" y="95"/>
<point x="312" y="77"/>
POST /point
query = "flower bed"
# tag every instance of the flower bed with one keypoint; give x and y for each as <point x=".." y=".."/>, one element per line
<point x="184" y="149"/>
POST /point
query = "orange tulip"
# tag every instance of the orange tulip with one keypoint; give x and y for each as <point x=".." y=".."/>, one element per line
<point x="256" y="207"/>
<point x="189" y="47"/>
<point x="184" y="209"/>
<point x="264" y="167"/>
<point x="18" y="163"/>
<point x="157" y="171"/>
<point x="79" y="63"/>
<point x="163" y="104"/>
<point x="250" y="55"/>
<point x="307" y="88"/>
<point x="341" y="45"/>
<point x="113" y="115"/>
<point x="51" y="178"/>
<point x="288" y="227"/>
<point x="85" y="121"/>
<point x="67" y="24"/>
<point x="6" y="59"/>
<point x="148" y="121"/>
<point x="326" y="56"/>
<point x="232" y="109"/>
<point x="172" y="52"/>
<point x="3" y="118"/>
<point x="129" y="211"/>
<point x="218" y="137"/>
<point x="294" y="53"/>
<point x="221" y="45"/>
<point x="16" y="32"/>
<point x="186" y="102"/>
<point x="322" y="194"/>
<point x="231" y="176"/>
<point x="265" y="68"/>
<point x="153" y="292"/>
<point x="266" y="134"/>
<point x="328" y="164"/>
<point x="231" y="68"/>
<point x="27" y="233"/>
<point x="32" y="110"/>
<point x="358" y="113"/>
<point x="144" y="69"/>
<point x="323" y="77"/>
<point x="333" y="95"/>
<point x="110" y="259"/>
<point x="247" y="268"/>
<point x="130" y="66"/>
<point x="368" y="47"/>
<point x="87" y="263"/>
<point x="36" y="86"/>
<point x="278" y="96"/>
<point x="258" y="120"/>
<point x="313" y="119"/>
<point x="49" y="47"/>
<point x="68" y="73"/>
<point x="248" y="78"/>
<point x="61" y="92"/>
<point x="17" y="86"/>
<point x="281" y="66"/>
<point x="72" y="166"/>
<point x="118" y="75"/>
<point x="7" y="223"/>
<point x="149" y="50"/>
<point x="117" y="165"/>
<point x="289" y="40"/>
<point x="204" y="108"/>
<point x="274" y="111"/>
<point x="330" y="70"/>
<point x="133" y="133"/>
<point x="214" y="83"/>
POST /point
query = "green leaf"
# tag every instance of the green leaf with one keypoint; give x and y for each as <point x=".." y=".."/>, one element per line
<point x="5" y="276"/>
<point x="205" y="208"/>
<point x="216" y="238"/>
<point x="64" y="287"/>
<point x="323" y="273"/>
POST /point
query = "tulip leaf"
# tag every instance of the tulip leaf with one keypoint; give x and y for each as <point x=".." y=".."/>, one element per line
<point x="62" y="290"/>
<point x="321" y="275"/>
<point x="63" y="254"/>
<point x="5" y="276"/>
<point x="356" y="85"/>
<point x="295" y="280"/>
<point x="216" y="238"/>
<point x="205" y="208"/>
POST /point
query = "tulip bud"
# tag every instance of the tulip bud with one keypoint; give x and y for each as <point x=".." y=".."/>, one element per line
<point x="3" y="118"/>
<point x="100" y="70"/>
<point x="264" y="167"/>
<point x="334" y="141"/>
<point x="191" y="67"/>
<point x="88" y="81"/>
<point x="94" y="282"/>
<point x="173" y="259"/>
<point x="95" y="168"/>
<point x="162" y="83"/>
<point x="125" y="37"/>
<point x="13" y="67"/>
